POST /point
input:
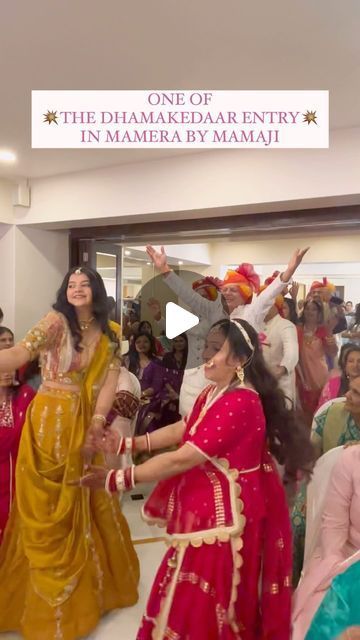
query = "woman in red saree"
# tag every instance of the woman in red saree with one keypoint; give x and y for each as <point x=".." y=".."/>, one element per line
<point x="14" y="401"/>
<point x="227" y="572"/>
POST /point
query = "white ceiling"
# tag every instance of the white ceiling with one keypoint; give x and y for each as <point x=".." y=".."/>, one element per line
<point x="168" y="44"/>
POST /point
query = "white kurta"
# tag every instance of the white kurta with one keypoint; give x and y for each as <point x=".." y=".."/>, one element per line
<point x="281" y="349"/>
<point x="209" y="312"/>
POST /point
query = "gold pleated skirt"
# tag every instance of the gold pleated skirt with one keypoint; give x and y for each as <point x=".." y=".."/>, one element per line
<point x="67" y="556"/>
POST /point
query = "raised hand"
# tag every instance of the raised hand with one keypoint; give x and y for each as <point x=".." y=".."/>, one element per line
<point x="294" y="262"/>
<point x="294" y="290"/>
<point x="159" y="258"/>
<point x="296" y="258"/>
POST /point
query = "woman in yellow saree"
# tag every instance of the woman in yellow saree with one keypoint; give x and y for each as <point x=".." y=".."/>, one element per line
<point x="67" y="556"/>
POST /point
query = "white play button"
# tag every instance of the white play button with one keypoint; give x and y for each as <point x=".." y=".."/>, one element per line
<point x="178" y="320"/>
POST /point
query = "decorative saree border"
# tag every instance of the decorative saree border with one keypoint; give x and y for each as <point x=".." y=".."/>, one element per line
<point x="161" y="620"/>
<point x="232" y="534"/>
<point x="210" y="536"/>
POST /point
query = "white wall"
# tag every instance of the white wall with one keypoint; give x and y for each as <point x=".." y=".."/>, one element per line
<point x="6" y="194"/>
<point x="195" y="253"/>
<point x="275" y="249"/>
<point x="42" y="259"/>
<point x="209" y="181"/>
<point x="7" y="274"/>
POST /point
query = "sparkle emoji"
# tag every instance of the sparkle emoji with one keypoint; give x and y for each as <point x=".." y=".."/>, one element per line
<point x="51" y="116"/>
<point x="310" y="116"/>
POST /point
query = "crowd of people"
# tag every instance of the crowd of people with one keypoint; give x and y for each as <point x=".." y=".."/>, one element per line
<point x="264" y="392"/>
<point x="301" y="339"/>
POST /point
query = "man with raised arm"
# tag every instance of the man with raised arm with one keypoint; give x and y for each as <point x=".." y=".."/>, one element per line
<point x="239" y="300"/>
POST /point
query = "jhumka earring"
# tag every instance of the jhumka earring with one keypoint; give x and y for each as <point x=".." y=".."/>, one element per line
<point x="240" y="374"/>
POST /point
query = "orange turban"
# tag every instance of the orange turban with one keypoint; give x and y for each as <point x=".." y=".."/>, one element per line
<point x="325" y="288"/>
<point x="245" y="278"/>
<point x="210" y="285"/>
<point x="279" y="300"/>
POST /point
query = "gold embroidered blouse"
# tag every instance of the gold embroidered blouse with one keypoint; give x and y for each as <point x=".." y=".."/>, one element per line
<point x="51" y="339"/>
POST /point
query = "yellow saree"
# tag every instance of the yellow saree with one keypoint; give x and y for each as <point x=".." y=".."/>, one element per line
<point x="67" y="556"/>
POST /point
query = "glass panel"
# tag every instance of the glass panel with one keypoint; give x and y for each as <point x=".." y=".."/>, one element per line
<point x="140" y="283"/>
<point x="132" y="280"/>
<point x="106" y="267"/>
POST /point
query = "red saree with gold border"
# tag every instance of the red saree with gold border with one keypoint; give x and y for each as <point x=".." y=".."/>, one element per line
<point x="226" y="575"/>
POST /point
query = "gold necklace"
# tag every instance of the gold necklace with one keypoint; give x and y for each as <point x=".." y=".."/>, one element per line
<point x="6" y="414"/>
<point x="85" y="324"/>
<point x="309" y="336"/>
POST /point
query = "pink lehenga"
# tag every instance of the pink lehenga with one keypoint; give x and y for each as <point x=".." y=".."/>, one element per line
<point x="227" y="573"/>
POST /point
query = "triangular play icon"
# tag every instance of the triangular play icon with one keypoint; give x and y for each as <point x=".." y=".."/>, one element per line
<point x="178" y="320"/>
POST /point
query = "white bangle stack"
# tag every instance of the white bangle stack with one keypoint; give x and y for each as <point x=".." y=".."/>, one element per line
<point x="119" y="477"/>
<point x="128" y="445"/>
<point x="132" y="476"/>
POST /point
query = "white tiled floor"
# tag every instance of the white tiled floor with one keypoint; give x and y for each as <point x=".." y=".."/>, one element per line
<point x="123" y="624"/>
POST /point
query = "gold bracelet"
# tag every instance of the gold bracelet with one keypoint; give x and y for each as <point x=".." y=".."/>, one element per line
<point x="99" y="417"/>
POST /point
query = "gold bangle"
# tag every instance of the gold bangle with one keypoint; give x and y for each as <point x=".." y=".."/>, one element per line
<point x="99" y="417"/>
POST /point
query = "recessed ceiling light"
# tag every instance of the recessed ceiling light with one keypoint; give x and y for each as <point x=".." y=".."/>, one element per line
<point x="180" y="262"/>
<point x="7" y="156"/>
<point x="127" y="252"/>
<point x="149" y="264"/>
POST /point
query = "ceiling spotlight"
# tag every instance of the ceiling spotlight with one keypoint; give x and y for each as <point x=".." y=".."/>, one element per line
<point x="127" y="252"/>
<point x="180" y="262"/>
<point x="148" y="264"/>
<point x="7" y="156"/>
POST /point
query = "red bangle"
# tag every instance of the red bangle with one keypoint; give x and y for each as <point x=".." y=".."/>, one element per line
<point x="129" y="478"/>
<point x="126" y="445"/>
<point x="112" y="482"/>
